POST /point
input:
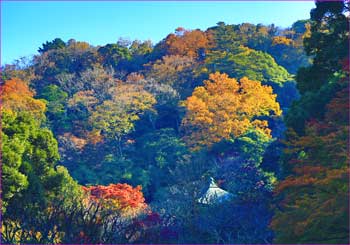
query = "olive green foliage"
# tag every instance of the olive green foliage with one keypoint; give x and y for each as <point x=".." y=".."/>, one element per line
<point x="256" y="65"/>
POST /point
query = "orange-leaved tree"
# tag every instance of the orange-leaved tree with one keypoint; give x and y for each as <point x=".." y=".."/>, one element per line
<point x="121" y="198"/>
<point x="225" y="108"/>
<point x="188" y="43"/>
<point x="16" y="96"/>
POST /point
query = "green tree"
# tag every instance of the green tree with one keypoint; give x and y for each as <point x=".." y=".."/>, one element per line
<point x="56" y="107"/>
<point x="255" y="65"/>
<point x="327" y="44"/>
<point x="162" y="153"/>
<point x="57" y="43"/>
<point x="114" y="54"/>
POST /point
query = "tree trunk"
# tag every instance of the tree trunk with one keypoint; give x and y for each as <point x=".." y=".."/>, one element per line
<point x="119" y="146"/>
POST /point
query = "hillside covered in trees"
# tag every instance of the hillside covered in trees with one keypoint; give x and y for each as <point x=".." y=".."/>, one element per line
<point x="234" y="134"/>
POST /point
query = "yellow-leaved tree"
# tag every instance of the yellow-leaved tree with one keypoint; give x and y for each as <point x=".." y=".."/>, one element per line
<point x="224" y="108"/>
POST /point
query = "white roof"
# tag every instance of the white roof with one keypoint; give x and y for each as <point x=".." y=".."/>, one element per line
<point x="214" y="194"/>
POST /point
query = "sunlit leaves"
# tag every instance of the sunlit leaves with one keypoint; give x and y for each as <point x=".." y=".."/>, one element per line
<point x="246" y="62"/>
<point x="225" y="108"/>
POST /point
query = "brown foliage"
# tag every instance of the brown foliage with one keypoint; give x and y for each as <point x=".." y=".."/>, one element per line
<point x="188" y="43"/>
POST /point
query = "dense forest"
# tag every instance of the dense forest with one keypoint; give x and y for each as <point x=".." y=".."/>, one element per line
<point x="236" y="134"/>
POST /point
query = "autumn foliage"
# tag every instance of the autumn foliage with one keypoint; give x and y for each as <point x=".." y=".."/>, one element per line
<point x="225" y="108"/>
<point x="281" y="40"/>
<point x="319" y="169"/>
<point x="188" y="43"/>
<point x="137" y="121"/>
<point x="313" y="198"/>
<point x="119" y="197"/>
<point x="16" y="96"/>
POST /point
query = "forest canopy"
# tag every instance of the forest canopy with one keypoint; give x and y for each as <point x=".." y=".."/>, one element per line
<point x="121" y="143"/>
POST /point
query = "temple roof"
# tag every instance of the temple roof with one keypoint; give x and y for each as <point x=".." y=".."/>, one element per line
<point x="213" y="194"/>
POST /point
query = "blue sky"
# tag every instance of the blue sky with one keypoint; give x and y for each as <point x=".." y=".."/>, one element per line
<point x="26" y="25"/>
